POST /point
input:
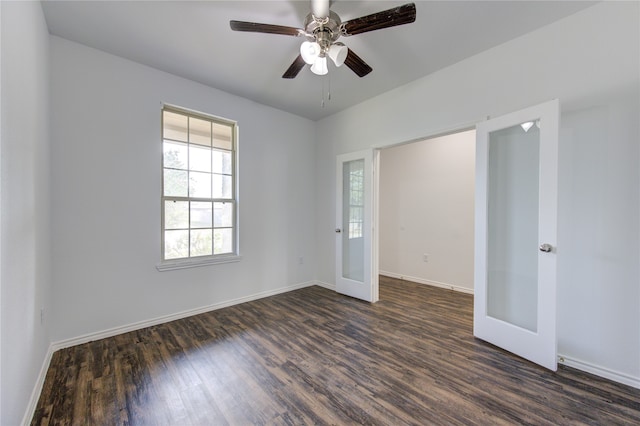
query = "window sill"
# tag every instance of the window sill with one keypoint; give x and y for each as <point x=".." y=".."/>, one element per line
<point x="171" y="265"/>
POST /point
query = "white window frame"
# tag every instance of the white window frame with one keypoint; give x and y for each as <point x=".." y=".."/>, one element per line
<point x="196" y="261"/>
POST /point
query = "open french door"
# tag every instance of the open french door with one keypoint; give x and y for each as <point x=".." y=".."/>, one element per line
<point x="515" y="234"/>
<point x="356" y="225"/>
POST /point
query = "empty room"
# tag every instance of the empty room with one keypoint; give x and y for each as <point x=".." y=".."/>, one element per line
<point x="218" y="212"/>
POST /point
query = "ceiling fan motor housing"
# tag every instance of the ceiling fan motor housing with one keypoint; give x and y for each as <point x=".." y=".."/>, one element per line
<point x="325" y="31"/>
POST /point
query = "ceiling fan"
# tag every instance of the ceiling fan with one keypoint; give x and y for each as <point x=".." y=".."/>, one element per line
<point x="323" y="28"/>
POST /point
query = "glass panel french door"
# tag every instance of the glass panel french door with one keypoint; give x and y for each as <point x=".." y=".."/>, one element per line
<point x="356" y="259"/>
<point x="516" y="210"/>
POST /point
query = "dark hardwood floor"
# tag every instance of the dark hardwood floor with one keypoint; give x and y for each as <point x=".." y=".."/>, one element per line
<point x="312" y="356"/>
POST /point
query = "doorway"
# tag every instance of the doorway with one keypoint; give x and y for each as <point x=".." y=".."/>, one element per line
<point x="426" y="211"/>
<point x="521" y="164"/>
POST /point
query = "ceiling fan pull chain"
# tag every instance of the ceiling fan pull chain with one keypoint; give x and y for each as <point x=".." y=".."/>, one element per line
<point x="326" y="78"/>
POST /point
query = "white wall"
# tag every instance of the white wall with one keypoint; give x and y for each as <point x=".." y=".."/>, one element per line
<point x="591" y="62"/>
<point x="426" y="207"/>
<point x="598" y="228"/>
<point x="106" y="154"/>
<point x="25" y="227"/>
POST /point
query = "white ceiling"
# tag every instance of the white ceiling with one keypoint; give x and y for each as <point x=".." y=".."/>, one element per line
<point x="193" y="40"/>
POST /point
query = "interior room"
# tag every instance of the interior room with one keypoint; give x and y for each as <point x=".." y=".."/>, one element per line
<point x="84" y="241"/>
<point x="427" y="211"/>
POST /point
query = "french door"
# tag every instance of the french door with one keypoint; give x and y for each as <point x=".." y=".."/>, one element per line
<point x="515" y="234"/>
<point x="356" y="225"/>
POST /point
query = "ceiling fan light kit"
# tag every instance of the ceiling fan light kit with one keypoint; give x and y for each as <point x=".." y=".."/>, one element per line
<point x="338" y="53"/>
<point x="319" y="66"/>
<point x="323" y="28"/>
<point x="310" y="51"/>
<point x="315" y="56"/>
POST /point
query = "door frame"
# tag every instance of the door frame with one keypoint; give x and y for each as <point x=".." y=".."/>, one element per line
<point x="376" y="192"/>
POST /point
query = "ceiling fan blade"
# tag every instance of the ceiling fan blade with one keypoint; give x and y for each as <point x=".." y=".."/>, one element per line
<point x="254" y="27"/>
<point x="400" y="15"/>
<point x="357" y="65"/>
<point x="294" y="68"/>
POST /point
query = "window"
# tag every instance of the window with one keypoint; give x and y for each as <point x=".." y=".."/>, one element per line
<point x="356" y="198"/>
<point x="199" y="206"/>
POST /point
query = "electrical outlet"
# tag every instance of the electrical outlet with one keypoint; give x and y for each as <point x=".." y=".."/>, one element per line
<point x="300" y="260"/>
<point x="425" y="258"/>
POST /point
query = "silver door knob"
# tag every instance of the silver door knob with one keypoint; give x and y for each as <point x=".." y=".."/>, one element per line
<point x="546" y="247"/>
<point x="338" y="230"/>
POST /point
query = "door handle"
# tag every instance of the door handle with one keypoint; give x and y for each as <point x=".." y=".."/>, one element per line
<point x="338" y="230"/>
<point x="546" y="247"/>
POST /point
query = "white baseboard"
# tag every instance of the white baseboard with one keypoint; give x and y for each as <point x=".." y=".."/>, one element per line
<point x="37" y="389"/>
<point x="427" y="282"/>
<point x="67" y="343"/>
<point x="597" y="370"/>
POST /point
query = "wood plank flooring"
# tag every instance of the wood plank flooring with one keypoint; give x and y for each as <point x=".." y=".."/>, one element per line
<point x="312" y="356"/>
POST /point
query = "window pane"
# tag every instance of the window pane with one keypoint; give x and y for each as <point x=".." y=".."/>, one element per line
<point x="199" y="158"/>
<point x="201" y="242"/>
<point x="176" y="214"/>
<point x="222" y="186"/>
<point x="175" y="155"/>
<point x="176" y="244"/>
<point x="355" y="230"/>
<point x="201" y="214"/>
<point x="199" y="208"/>
<point x="199" y="185"/>
<point x="356" y="214"/>
<point x="222" y="240"/>
<point x="175" y="126"/>
<point x="175" y="183"/>
<point x="222" y="215"/>
<point x="199" y="131"/>
<point x="222" y="162"/>
<point x="222" y="136"/>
